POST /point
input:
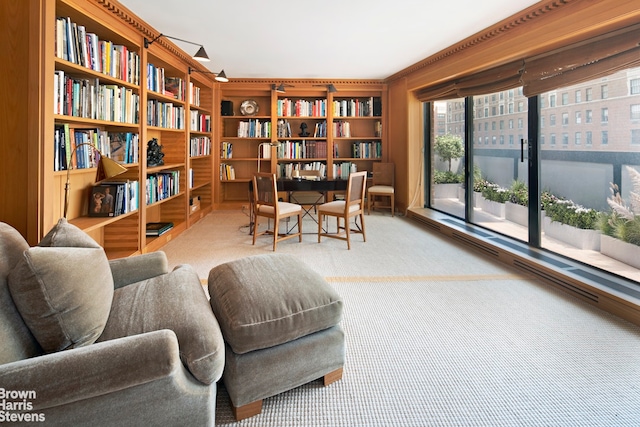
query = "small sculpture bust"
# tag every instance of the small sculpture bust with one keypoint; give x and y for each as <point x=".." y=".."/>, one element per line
<point x="154" y="153"/>
<point x="303" y="130"/>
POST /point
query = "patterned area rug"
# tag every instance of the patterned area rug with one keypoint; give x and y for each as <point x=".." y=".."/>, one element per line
<point x="440" y="336"/>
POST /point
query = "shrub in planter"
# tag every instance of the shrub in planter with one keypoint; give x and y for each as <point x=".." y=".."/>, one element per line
<point x="447" y="177"/>
<point x="567" y="212"/>
<point x="623" y="222"/>
<point x="495" y="193"/>
<point x="519" y="193"/>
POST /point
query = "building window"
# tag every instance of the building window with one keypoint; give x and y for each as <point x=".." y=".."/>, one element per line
<point x="520" y="107"/>
<point x="635" y="111"/>
<point x="552" y="100"/>
<point x="510" y="123"/>
<point x="565" y="138"/>
<point x="605" y="115"/>
<point x="634" y="86"/>
<point x="486" y="140"/>
<point x="493" y="140"/>
<point x="578" y="95"/>
<point x="565" y="118"/>
<point x="604" y="91"/>
<point x="541" y="139"/>
<point x="486" y="126"/>
<point x="605" y="137"/>
<point x="589" y="116"/>
<point x="578" y="117"/>
<point x="578" y="138"/>
<point x="501" y="139"/>
<point x="502" y="110"/>
<point x="589" y="94"/>
<point x="520" y="124"/>
<point x="543" y="101"/>
<point x="493" y="125"/>
<point x="501" y="124"/>
<point x="565" y="98"/>
<point x="589" y="135"/>
<point x="542" y="120"/>
<point x="553" y="139"/>
<point x="635" y="136"/>
<point x="511" y="142"/>
<point x="552" y="119"/>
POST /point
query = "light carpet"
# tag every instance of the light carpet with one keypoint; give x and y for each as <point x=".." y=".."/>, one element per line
<point x="437" y="335"/>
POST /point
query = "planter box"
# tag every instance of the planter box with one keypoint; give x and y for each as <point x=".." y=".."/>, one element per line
<point x="446" y="191"/>
<point x="494" y="208"/>
<point x="577" y="237"/>
<point x="477" y="197"/>
<point x="461" y="194"/>
<point x="620" y="250"/>
<point x="516" y="213"/>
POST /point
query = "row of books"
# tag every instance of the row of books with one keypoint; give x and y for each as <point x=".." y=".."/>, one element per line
<point x="200" y="122"/>
<point x="162" y="185"/>
<point x="342" y="129"/>
<point x="155" y="78"/>
<point x="89" y="99"/>
<point x="342" y="170"/>
<point x="302" y="108"/>
<point x="371" y="107"/>
<point x="74" y="44"/>
<point x="194" y="94"/>
<point x="254" y="128"/>
<point x="226" y="150"/>
<point x="367" y="150"/>
<point x="200" y="146"/>
<point x="227" y="172"/>
<point x="165" y="115"/>
<point x="114" y="198"/>
<point x="307" y="149"/>
<point x="286" y="169"/>
<point x="119" y="146"/>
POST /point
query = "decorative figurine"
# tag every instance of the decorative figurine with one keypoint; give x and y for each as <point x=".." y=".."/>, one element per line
<point x="154" y="153"/>
<point x="303" y="130"/>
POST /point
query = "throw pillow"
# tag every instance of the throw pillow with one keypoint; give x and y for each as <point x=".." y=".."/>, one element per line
<point x="63" y="294"/>
<point x="68" y="235"/>
<point x="173" y="301"/>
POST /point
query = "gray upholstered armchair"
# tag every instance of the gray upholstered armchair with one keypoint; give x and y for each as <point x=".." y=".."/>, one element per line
<point x="87" y="341"/>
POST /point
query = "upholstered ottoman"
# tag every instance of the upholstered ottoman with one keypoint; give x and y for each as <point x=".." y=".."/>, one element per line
<point x="280" y="323"/>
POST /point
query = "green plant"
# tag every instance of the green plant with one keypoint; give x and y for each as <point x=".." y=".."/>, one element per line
<point x="448" y="147"/>
<point x="623" y="222"/>
<point x="448" y="177"/>
<point x="567" y="212"/>
<point x="495" y="193"/>
<point x="519" y="193"/>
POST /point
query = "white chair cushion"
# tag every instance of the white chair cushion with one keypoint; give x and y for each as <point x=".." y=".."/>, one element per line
<point x="283" y="207"/>
<point x="337" y="207"/>
<point x="381" y="189"/>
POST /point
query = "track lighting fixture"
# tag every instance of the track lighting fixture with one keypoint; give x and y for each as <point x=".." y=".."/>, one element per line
<point x="330" y="88"/>
<point x="200" y="55"/>
<point x="280" y="88"/>
<point x="220" y="77"/>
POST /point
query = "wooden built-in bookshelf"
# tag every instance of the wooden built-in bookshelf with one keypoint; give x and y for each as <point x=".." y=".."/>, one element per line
<point x="286" y="147"/>
<point x="98" y="81"/>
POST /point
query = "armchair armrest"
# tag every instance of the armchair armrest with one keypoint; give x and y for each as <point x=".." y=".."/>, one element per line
<point x="98" y="369"/>
<point x="136" y="268"/>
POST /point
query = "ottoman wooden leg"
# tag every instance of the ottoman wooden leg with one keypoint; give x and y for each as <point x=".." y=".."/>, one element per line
<point x="248" y="410"/>
<point x="332" y="377"/>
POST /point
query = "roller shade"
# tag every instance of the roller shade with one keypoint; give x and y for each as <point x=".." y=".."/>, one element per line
<point x="576" y="63"/>
<point x="581" y="62"/>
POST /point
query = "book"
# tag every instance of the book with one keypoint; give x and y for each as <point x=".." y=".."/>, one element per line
<point x="158" y="228"/>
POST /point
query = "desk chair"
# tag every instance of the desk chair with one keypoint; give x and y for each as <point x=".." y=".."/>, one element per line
<point x="266" y="204"/>
<point x="351" y="206"/>
<point x="382" y="186"/>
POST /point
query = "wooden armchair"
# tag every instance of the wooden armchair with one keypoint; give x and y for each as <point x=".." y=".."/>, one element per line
<point x="266" y="204"/>
<point x="351" y="206"/>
